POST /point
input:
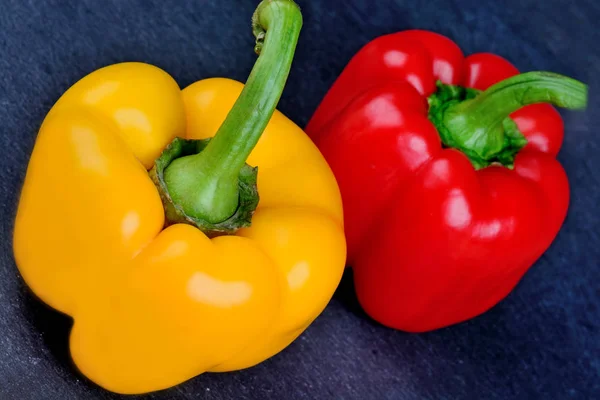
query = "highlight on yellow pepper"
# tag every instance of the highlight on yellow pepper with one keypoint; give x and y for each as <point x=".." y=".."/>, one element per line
<point x="140" y="218"/>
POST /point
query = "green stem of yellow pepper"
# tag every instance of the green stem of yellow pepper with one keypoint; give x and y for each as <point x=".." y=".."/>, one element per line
<point x="206" y="185"/>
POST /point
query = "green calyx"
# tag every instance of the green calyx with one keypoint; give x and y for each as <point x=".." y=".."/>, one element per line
<point x="503" y="147"/>
<point x="478" y="123"/>
<point x="248" y="194"/>
<point x="208" y="183"/>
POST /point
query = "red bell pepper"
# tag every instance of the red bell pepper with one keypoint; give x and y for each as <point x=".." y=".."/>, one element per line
<point x="448" y="175"/>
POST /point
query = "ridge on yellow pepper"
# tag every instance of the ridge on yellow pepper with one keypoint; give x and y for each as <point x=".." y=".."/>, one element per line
<point x="155" y="300"/>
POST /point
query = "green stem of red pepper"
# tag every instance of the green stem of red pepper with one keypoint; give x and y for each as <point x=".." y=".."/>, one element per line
<point x="479" y="125"/>
<point x="205" y="188"/>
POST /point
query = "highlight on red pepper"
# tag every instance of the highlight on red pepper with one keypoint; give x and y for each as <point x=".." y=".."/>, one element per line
<point x="154" y="239"/>
<point x="448" y="174"/>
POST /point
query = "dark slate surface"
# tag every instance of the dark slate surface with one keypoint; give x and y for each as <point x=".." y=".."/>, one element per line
<point x="542" y="342"/>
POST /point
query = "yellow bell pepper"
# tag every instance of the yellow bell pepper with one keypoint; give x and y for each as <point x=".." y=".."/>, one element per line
<point x="157" y="301"/>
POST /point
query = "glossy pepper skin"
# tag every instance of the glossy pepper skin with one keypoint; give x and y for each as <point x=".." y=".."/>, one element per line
<point x="434" y="241"/>
<point x="155" y="306"/>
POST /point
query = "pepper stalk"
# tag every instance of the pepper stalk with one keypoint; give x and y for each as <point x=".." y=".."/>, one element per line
<point x="478" y="123"/>
<point x="208" y="183"/>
